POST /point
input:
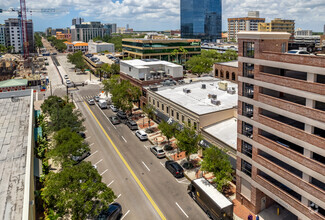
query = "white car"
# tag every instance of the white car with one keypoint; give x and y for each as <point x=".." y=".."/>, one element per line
<point x="66" y="76"/>
<point x="68" y="81"/>
<point x="158" y="151"/>
<point x="141" y="135"/>
<point x="114" y="109"/>
<point x="299" y="52"/>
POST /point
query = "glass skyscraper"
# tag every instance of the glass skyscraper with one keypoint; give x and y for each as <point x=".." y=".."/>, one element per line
<point x="201" y="19"/>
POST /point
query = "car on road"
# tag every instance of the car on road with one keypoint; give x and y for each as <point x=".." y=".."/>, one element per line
<point x="96" y="98"/>
<point x="114" y="109"/>
<point x="113" y="212"/>
<point x="158" y="151"/>
<point x="132" y="125"/>
<point x="174" y="168"/>
<point x="66" y="76"/>
<point x="81" y="157"/>
<point x="91" y="101"/>
<point x="141" y="135"/>
<point x="115" y="120"/>
<point x="68" y="81"/>
<point x="121" y="115"/>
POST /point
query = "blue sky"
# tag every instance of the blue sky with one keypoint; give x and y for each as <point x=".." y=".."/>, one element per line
<point x="164" y="14"/>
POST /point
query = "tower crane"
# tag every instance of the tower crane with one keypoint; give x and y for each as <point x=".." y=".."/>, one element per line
<point x="22" y="18"/>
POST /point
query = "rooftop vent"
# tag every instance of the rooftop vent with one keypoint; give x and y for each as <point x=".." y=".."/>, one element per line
<point x="185" y="90"/>
<point x="204" y="86"/>
<point x="231" y="90"/>
<point x="212" y="96"/>
<point x="215" y="102"/>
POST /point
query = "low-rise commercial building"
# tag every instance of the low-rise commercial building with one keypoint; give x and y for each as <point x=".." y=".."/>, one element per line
<point x="226" y="71"/>
<point x="76" y="46"/>
<point x="162" y="49"/>
<point x="99" y="46"/>
<point x="13" y="85"/>
<point x="63" y="36"/>
<point x="198" y="104"/>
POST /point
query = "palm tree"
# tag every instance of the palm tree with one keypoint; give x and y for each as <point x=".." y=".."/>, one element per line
<point x="175" y="54"/>
<point x="184" y="53"/>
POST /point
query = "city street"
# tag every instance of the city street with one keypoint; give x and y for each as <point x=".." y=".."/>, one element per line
<point x="144" y="188"/>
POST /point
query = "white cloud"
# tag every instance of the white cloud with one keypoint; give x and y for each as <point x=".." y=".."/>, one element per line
<point x="162" y="14"/>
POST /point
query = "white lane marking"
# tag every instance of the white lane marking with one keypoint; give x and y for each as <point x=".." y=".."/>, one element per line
<point x="182" y="210"/>
<point x="93" y="153"/>
<point x="99" y="161"/>
<point x="162" y="164"/>
<point x="145" y="147"/>
<point x="125" y="214"/>
<point x="91" y="144"/>
<point x="87" y="137"/>
<point x="145" y="165"/>
<point x="110" y="183"/>
<point x="103" y="172"/>
<point x="124" y="139"/>
<point x="106" y="117"/>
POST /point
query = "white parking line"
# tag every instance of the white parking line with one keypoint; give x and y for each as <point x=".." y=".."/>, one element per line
<point x="99" y="161"/>
<point x="87" y="137"/>
<point x="182" y="210"/>
<point x="110" y="183"/>
<point x="162" y="164"/>
<point x="145" y="147"/>
<point x="125" y="214"/>
<point x="103" y="172"/>
<point x="124" y="139"/>
<point x="133" y="133"/>
<point x="118" y="197"/>
<point x="93" y="153"/>
<point x="145" y="165"/>
<point x="85" y="131"/>
<point x="91" y="144"/>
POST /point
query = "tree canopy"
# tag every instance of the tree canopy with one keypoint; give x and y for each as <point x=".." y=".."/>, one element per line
<point x="188" y="140"/>
<point x="169" y="130"/>
<point x="217" y="162"/>
<point x="77" y="190"/>
<point x="58" y="44"/>
<point x="38" y="41"/>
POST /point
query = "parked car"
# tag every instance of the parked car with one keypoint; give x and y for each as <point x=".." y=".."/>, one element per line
<point x="113" y="212"/>
<point x="80" y="157"/>
<point x="158" y="151"/>
<point x="102" y="104"/>
<point x="115" y="120"/>
<point x="174" y="168"/>
<point x="141" y="135"/>
<point x="121" y="115"/>
<point x="114" y="109"/>
<point x="68" y="81"/>
<point x="91" y="101"/>
<point x="96" y="98"/>
<point x="132" y="125"/>
<point x="299" y="52"/>
<point x="82" y="134"/>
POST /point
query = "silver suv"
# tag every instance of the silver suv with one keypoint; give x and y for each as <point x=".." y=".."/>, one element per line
<point x="158" y="151"/>
<point x="141" y="135"/>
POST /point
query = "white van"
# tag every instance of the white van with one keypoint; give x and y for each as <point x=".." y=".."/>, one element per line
<point x="102" y="104"/>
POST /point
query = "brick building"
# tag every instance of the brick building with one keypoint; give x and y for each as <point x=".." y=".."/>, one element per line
<point x="226" y="71"/>
<point x="281" y="127"/>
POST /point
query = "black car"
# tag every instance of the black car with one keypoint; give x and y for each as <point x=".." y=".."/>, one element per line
<point x="115" y="120"/>
<point x="174" y="168"/>
<point x="82" y="134"/>
<point x="132" y="125"/>
<point x="121" y="115"/>
<point x="113" y="212"/>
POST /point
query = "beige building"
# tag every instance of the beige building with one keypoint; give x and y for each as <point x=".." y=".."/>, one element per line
<point x="278" y="25"/>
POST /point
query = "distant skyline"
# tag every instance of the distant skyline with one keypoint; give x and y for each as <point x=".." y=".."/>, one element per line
<point x="160" y="15"/>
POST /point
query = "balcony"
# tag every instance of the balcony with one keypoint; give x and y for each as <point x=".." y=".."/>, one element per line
<point x="290" y="177"/>
<point x="288" y="198"/>
<point x="317" y="61"/>
<point x="317" y="88"/>
<point x="292" y="107"/>
<point x="292" y="131"/>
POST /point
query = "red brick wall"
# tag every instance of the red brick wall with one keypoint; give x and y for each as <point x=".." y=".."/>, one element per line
<point x="219" y="67"/>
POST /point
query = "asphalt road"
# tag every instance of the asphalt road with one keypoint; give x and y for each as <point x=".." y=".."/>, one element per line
<point x="163" y="193"/>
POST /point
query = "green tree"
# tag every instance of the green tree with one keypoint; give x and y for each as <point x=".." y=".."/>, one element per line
<point x="175" y="53"/>
<point x="183" y="52"/>
<point x="169" y="130"/>
<point x="115" y="68"/>
<point x="67" y="143"/>
<point x="38" y="41"/>
<point x="106" y="69"/>
<point x="150" y="111"/>
<point x="188" y="140"/>
<point x="77" y="191"/>
<point x="217" y="162"/>
<point x="199" y="65"/>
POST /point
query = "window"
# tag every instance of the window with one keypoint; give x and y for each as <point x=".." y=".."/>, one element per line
<point x="221" y="74"/>
<point x="129" y="69"/>
<point x="177" y="116"/>
<point x="248" y="70"/>
<point x="162" y="107"/>
<point x="157" y="104"/>
<point x="149" y="99"/>
<point x="189" y="121"/>
<point x="246" y="167"/>
<point x="153" y="102"/>
<point x="172" y="113"/>
<point x="248" y="110"/>
<point x="249" y="49"/>
<point x="194" y="125"/>
<point x="284" y="47"/>
<point x="247" y="149"/>
<point x="183" y="118"/>
<point x="248" y="90"/>
<point x="167" y="110"/>
<point x="227" y="75"/>
<point x="216" y="73"/>
<point x="247" y="130"/>
<point x="233" y="76"/>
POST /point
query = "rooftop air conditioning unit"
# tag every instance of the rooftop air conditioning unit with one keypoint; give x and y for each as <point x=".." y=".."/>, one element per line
<point x="185" y="90"/>
<point x="204" y="86"/>
<point x="231" y="90"/>
<point x="213" y="96"/>
<point x="215" y="102"/>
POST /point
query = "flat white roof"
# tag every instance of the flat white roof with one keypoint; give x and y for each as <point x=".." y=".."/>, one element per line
<point x="213" y="193"/>
<point x="142" y="63"/>
<point x="225" y="131"/>
<point x="197" y="100"/>
<point x="230" y="63"/>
